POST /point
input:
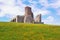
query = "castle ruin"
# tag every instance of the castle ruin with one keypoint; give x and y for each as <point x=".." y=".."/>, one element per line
<point x="27" y="17"/>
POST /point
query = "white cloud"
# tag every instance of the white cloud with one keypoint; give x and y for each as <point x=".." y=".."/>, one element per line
<point x="43" y="12"/>
<point x="55" y="4"/>
<point x="49" y="20"/>
<point x="10" y="8"/>
<point x="33" y="2"/>
<point x="7" y="2"/>
<point x="58" y="11"/>
<point x="44" y="3"/>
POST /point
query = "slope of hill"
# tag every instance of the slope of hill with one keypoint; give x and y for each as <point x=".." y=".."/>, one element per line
<point x="22" y="31"/>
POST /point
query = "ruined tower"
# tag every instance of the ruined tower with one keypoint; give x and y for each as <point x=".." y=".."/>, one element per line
<point x="28" y="11"/>
<point x="38" y="19"/>
<point x="28" y="15"/>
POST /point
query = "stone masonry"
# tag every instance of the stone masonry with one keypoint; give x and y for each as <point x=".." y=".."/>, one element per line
<point x="18" y="19"/>
<point x="38" y="19"/>
<point x="27" y="17"/>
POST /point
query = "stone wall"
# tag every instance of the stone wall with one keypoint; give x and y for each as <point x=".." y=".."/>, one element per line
<point x="28" y="17"/>
<point x="13" y="20"/>
<point x="38" y="18"/>
<point x="20" y="19"/>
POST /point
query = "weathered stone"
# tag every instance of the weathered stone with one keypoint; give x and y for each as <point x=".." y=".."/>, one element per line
<point x="28" y="19"/>
<point x="38" y="18"/>
<point x="28" y="15"/>
<point x="13" y="20"/>
<point x="18" y="19"/>
<point x="28" y="11"/>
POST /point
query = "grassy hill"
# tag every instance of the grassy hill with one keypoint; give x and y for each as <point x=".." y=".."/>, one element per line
<point x="22" y="31"/>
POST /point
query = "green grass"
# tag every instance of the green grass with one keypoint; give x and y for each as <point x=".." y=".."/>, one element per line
<point x="22" y="31"/>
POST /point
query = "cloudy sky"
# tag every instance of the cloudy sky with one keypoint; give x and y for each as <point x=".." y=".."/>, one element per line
<point x="50" y="9"/>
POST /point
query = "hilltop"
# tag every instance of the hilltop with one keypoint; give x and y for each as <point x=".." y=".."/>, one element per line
<point x="24" y="31"/>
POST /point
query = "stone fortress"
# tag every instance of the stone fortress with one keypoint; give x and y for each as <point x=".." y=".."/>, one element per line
<point x="28" y="17"/>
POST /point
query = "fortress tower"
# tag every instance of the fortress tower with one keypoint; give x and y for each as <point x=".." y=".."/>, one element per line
<point x="28" y="11"/>
<point x="28" y="15"/>
<point x="38" y="19"/>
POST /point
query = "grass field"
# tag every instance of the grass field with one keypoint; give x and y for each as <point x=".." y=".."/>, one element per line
<point x="22" y="31"/>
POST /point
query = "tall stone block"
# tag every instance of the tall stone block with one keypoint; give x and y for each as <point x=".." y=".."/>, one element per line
<point x="38" y="18"/>
<point x="28" y="15"/>
<point x="28" y="19"/>
<point x="28" y="11"/>
<point x="20" y="19"/>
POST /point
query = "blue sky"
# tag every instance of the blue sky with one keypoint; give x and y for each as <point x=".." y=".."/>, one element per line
<point x="50" y="9"/>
